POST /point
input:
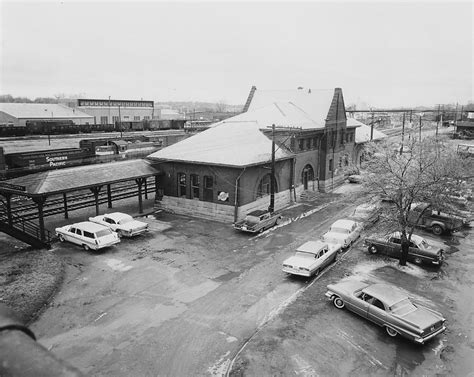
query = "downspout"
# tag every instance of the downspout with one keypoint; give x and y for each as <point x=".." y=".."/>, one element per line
<point x="292" y="178"/>
<point x="236" y="195"/>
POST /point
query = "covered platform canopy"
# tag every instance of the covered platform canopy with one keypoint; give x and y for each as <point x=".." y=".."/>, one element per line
<point x="41" y="185"/>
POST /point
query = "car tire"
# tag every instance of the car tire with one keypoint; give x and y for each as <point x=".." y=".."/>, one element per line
<point x="316" y="273"/>
<point x="417" y="260"/>
<point x="373" y="249"/>
<point x="61" y="238"/>
<point x="86" y="247"/>
<point x="278" y="220"/>
<point x="437" y="229"/>
<point x="391" y="332"/>
<point x="338" y="302"/>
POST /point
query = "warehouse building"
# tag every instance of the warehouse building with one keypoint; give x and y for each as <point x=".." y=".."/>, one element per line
<point x="23" y="114"/>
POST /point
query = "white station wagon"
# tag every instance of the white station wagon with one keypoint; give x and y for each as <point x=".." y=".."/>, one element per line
<point x="125" y="225"/>
<point x="310" y="258"/>
<point x="88" y="235"/>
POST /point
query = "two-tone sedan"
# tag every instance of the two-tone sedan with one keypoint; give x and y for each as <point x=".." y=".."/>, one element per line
<point x="125" y="225"/>
<point x="389" y="307"/>
<point x="419" y="252"/>
<point x="310" y="258"/>
<point x="343" y="232"/>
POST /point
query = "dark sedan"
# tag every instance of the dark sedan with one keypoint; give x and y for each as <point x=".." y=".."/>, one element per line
<point x="389" y="307"/>
<point x="420" y="250"/>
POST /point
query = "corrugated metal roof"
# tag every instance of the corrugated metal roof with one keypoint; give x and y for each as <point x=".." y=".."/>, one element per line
<point x="362" y="132"/>
<point x="238" y="141"/>
<point x="75" y="178"/>
<point x="42" y="111"/>
<point x="315" y="103"/>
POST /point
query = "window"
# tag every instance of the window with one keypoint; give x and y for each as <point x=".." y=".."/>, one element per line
<point x="342" y="137"/>
<point x="103" y="120"/>
<point x="315" y="142"/>
<point x="301" y="144"/>
<point x="264" y="186"/>
<point x="78" y="232"/>
<point x="331" y="165"/>
<point x="125" y="117"/>
<point x="146" y="117"/>
<point x="136" y="117"/>
<point x="308" y="143"/>
<point x="88" y="234"/>
<point x="195" y="186"/>
<point x="378" y="304"/>
<point x="181" y="184"/>
<point x="208" y="189"/>
<point x="115" y="119"/>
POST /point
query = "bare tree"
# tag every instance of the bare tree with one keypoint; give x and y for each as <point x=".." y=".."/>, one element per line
<point x="425" y="172"/>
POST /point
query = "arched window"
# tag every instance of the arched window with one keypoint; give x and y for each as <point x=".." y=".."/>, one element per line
<point x="264" y="186"/>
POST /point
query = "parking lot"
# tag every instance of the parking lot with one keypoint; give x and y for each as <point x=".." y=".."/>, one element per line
<point x="195" y="297"/>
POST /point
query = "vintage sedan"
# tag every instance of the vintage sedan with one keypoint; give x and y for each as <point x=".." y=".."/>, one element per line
<point x="125" y="225"/>
<point x="87" y="234"/>
<point x="389" y="307"/>
<point x="343" y="232"/>
<point x="310" y="258"/>
<point x="258" y="221"/>
<point x="419" y="252"/>
<point x="367" y="213"/>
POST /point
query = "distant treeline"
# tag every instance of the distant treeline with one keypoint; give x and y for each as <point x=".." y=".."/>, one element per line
<point x="7" y="98"/>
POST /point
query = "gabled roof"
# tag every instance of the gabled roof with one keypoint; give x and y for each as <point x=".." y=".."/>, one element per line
<point x="315" y="103"/>
<point x="238" y="141"/>
<point x="362" y="132"/>
<point x="41" y="111"/>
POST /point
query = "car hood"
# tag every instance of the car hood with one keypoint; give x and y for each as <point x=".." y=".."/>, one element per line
<point x="296" y="261"/>
<point x="421" y="317"/>
<point x="347" y="287"/>
<point x="432" y="251"/>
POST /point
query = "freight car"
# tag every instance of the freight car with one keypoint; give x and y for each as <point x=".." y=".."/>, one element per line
<point x="89" y="152"/>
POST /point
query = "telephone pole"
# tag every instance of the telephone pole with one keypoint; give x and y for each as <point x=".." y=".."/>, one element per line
<point x="372" y="128"/>
<point x="403" y="134"/>
<point x="437" y="121"/>
<point x="271" y="207"/>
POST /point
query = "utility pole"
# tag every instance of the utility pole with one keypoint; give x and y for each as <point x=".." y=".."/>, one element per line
<point x="411" y="114"/>
<point x="455" y="114"/>
<point x="271" y="207"/>
<point x="403" y="134"/>
<point x="420" y="128"/>
<point x="372" y="128"/>
<point x="437" y="121"/>
<point x="120" y="122"/>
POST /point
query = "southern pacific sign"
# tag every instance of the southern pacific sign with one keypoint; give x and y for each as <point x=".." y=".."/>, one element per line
<point x="12" y="187"/>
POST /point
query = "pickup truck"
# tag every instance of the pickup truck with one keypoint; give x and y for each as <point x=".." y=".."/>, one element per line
<point x="258" y="221"/>
<point x="436" y="221"/>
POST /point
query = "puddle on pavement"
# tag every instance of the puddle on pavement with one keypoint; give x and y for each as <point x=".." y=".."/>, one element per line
<point x="407" y="357"/>
<point x="227" y="276"/>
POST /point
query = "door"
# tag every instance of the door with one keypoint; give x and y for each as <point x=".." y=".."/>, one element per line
<point x="377" y="312"/>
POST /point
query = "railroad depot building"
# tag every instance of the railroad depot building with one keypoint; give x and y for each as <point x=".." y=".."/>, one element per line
<point x="24" y="115"/>
<point x="224" y="172"/>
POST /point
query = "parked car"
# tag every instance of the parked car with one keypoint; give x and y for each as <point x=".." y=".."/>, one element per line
<point x="258" y="221"/>
<point x="355" y="178"/>
<point x="466" y="150"/>
<point x="420" y="251"/>
<point x="87" y="234"/>
<point x="424" y="216"/>
<point x="125" y="225"/>
<point x="343" y="232"/>
<point x="367" y="214"/>
<point x="310" y="258"/>
<point x="389" y="307"/>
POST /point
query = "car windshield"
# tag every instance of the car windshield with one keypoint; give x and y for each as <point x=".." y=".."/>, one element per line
<point x="424" y="245"/>
<point x="125" y="220"/>
<point x="103" y="233"/>
<point x="252" y="219"/>
<point x="403" y="307"/>
<point x="340" y="230"/>
<point x="302" y="254"/>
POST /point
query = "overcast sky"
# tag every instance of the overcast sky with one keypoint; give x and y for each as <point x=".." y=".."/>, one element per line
<point x="383" y="53"/>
